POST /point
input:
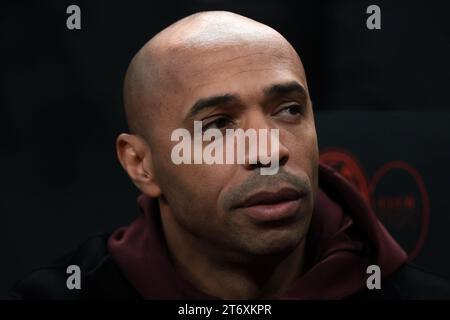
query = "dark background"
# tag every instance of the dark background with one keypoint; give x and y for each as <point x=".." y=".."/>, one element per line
<point x="380" y="95"/>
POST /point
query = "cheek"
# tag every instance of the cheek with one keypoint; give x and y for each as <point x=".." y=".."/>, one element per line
<point x="198" y="181"/>
<point x="193" y="194"/>
<point x="303" y="151"/>
<point x="190" y="187"/>
<point x="302" y="143"/>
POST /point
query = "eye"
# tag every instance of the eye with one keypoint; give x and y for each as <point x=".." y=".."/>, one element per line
<point x="290" y="111"/>
<point x="218" y="123"/>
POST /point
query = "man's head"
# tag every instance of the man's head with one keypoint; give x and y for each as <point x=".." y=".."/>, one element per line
<point x="229" y="72"/>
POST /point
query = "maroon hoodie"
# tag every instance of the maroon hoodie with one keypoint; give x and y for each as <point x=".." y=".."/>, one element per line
<point x="344" y="238"/>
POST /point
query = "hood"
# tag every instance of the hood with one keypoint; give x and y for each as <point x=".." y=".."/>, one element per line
<point x="344" y="238"/>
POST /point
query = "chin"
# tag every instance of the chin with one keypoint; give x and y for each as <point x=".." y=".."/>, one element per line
<point x="275" y="242"/>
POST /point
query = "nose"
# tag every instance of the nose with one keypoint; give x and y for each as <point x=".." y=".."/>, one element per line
<point x="267" y="150"/>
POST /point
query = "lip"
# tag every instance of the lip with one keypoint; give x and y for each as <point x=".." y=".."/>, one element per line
<point x="271" y="206"/>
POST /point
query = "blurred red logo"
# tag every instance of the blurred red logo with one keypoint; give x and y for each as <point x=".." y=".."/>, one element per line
<point x="396" y="192"/>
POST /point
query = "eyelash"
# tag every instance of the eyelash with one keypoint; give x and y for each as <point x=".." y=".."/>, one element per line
<point x="298" y="108"/>
<point x="208" y="125"/>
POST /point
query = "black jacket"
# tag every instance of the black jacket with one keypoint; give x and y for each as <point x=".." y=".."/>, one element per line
<point x="102" y="279"/>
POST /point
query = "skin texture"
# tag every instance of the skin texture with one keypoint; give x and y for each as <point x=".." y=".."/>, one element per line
<point x="213" y="245"/>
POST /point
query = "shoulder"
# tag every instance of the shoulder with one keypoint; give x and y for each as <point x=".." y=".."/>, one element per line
<point x="100" y="278"/>
<point x="411" y="282"/>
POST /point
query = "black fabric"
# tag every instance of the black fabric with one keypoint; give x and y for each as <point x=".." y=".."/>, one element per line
<point x="102" y="279"/>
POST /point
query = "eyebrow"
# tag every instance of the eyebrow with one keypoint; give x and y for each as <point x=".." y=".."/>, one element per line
<point x="210" y="102"/>
<point x="285" y="88"/>
<point x="214" y="101"/>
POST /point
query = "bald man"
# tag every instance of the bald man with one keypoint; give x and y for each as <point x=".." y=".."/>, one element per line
<point x="225" y="230"/>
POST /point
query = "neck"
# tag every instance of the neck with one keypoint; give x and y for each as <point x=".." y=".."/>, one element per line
<point x="214" y="272"/>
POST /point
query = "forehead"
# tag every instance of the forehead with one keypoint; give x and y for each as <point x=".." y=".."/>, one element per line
<point x="242" y="68"/>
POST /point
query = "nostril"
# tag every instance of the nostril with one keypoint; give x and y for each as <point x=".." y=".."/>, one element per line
<point x="258" y="165"/>
<point x="283" y="160"/>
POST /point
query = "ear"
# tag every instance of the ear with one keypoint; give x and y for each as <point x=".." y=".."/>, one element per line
<point x="136" y="158"/>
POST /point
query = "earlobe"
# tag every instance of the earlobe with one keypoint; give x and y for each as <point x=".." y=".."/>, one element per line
<point x="135" y="157"/>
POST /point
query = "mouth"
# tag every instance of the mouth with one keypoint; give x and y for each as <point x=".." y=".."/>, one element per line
<point x="266" y="206"/>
